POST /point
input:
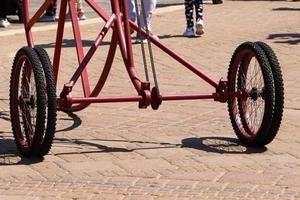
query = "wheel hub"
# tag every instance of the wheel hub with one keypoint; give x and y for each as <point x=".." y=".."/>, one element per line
<point x="28" y="101"/>
<point x="254" y="94"/>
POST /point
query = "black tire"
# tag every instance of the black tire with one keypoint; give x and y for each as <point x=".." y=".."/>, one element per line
<point x="257" y="95"/>
<point x="27" y="102"/>
<point x="279" y="89"/>
<point x="51" y="100"/>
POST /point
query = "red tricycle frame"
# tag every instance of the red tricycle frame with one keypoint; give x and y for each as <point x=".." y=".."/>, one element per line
<point x="253" y="89"/>
<point x="121" y="37"/>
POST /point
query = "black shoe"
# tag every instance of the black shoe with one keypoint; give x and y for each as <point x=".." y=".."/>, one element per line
<point x="217" y="1"/>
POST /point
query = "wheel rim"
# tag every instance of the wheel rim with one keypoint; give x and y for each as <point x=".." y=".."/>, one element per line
<point x="252" y="103"/>
<point x="24" y="97"/>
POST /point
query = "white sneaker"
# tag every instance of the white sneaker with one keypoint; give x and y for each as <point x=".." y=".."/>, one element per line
<point x="189" y="32"/>
<point x="81" y="15"/>
<point x="199" y="27"/>
<point x="140" y="39"/>
<point x="4" y="23"/>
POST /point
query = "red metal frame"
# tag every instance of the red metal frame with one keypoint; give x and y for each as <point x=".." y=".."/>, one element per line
<point x="120" y="37"/>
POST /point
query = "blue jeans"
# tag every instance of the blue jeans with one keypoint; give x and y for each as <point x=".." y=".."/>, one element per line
<point x="149" y="7"/>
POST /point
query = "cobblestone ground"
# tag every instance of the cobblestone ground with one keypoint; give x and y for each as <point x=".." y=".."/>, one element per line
<point x="186" y="149"/>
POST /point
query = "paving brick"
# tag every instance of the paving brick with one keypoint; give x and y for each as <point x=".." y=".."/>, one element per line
<point x="185" y="150"/>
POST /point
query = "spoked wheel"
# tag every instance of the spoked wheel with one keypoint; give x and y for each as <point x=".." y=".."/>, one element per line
<point x="28" y="102"/>
<point x="251" y="112"/>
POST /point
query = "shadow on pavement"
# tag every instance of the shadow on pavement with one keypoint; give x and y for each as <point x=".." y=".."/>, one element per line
<point x="161" y="5"/>
<point x="69" y="43"/>
<point x="286" y="9"/>
<point x="73" y="117"/>
<point x="106" y="149"/>
<point x="221" y="145"/>
<point x="175" y="36"/>
<point x="286" y="38"/>
<point x="5" y="115"/>
<point x="9" y="155"/>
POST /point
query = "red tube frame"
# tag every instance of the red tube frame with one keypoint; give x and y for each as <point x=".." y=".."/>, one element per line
<point x="117" y="20"/>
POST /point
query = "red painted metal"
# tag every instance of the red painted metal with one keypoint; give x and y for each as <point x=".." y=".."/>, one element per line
<point x="37" y="15"/>
<point x="118" y="99"/>
<point x="187" y="97"/>
<point x="97" y="9"/>
<point x="93" y="49"/>
<point x="119" y="22"/>
<point x="59" y="38"/>
<point x="79" y="47"/>
<point x="175" y="56"/>
<point x="28" y="32"/>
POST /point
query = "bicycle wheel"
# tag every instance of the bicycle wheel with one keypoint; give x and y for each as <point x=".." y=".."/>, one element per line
<point x="51" y="100"/>
<point x="28" y="101"/>
<point x="251" y="112"/>
<point x="279" y="89"/>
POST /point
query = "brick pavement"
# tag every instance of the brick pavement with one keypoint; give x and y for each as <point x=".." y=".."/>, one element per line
<point x="185" y="150"/>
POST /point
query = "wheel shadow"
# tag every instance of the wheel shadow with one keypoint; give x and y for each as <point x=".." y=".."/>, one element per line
<point x="285" y="38"/>
<point x="220" y="145"/>
<point x="9" y="155"/>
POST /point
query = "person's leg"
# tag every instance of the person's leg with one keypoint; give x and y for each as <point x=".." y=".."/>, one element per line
<point x="199" y="9"/>
<point x="131" y="10"/>
<point x="199" y="17"/>
<point x="50" y="14"/>
<point x="79" y="4"/>
<point x="4" y="5"/>
<point x="51" y="10"/>
<point x="80" y="11"/>
<point x="188" y="4"/>
<point x="3" y="13"/>
<point x="149" y="8"/>
<point x="2" y="10"/>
